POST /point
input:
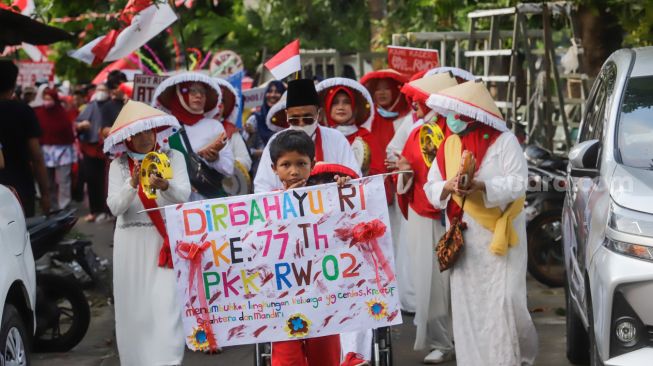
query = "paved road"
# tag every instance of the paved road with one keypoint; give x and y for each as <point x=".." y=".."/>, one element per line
<point x="98" y="347"/>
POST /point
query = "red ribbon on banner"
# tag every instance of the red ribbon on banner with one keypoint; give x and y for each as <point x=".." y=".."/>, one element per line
<point x="193" y="253"/>
<point x="365" y="235"/>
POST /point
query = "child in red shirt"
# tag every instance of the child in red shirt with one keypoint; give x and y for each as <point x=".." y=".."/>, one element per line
<point x="293" y="157"/>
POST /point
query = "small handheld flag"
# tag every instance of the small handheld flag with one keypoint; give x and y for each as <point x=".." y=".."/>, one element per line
<point x="286" y="61"/>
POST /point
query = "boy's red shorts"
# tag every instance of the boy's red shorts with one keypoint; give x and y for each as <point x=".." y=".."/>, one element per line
<point x="322" y="351"/>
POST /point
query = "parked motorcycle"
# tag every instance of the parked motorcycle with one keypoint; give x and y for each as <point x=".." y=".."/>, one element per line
<point x="63" y="314"/>
<point x="544" y="200"/>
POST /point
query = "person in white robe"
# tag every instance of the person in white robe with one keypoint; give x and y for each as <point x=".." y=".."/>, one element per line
<point x="491" y="322"/>
<point x="424" y="228"/>
<point x="332" y="147"/>
<point x="148" y="319"/>
<point x="194" y="99"/>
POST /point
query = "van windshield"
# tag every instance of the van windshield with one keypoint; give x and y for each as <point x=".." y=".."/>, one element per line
<point x="635" y="139"/>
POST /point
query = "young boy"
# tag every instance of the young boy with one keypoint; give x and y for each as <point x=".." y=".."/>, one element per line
<point x="293" y="157"/>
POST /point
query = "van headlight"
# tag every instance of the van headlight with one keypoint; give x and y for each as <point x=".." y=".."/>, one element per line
<point x="630" y="222"/>
<point x="629" y="249"/>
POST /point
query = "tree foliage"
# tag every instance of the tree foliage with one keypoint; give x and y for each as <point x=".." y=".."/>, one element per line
<point x="345" y="25"/>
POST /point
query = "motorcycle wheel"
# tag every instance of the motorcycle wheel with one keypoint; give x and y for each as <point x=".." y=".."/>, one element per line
<point x="545" y="252"/>
<point x="62" y="313"/>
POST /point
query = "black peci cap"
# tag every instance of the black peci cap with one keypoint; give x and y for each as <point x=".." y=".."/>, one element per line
<point x="301" y="92"/>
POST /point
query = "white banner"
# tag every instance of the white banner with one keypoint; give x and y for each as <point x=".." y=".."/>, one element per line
<point x="284" y="265"/>
<point x="253" y="98"/>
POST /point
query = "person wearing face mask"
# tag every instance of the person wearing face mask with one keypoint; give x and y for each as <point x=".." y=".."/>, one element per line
<point x="149" y="328"/>
<point x="94" y="163"/>
<point x="349" y="109"/>
<point x="391" y="105"/>
<point x="301" y="110"/>
<point x="491" y="321"/>
<point x="424" y="226"/>
<point x="57" y="145"/>
<point x="194" y="99"/>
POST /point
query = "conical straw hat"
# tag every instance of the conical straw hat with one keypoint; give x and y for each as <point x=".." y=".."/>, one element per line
<point x="230" y="102"/>
<point x="457" y="72"/>
<point x="364" y="104"/>
<point x="137" y="117"/>
<point x="471" y="99"/>
<point x="276" y="117"/>
<point x="420" y="89"/>
<point x="165" y="92"/>
<point x="384" y="74"/>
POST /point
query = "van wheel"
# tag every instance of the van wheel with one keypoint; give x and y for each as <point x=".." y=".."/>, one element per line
<point x="14" y="338"/>
<point x="577" y="338"/>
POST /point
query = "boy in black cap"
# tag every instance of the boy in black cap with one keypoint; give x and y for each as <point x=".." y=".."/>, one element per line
<point x="303" y="111"/>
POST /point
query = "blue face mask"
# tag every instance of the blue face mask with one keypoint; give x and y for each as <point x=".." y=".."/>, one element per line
<point x="136" y="156"/>
<point x="387" y="114"/>
<point x="456" y="125"/>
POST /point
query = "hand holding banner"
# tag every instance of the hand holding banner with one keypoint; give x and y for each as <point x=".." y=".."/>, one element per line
<point x="284" y="265"/>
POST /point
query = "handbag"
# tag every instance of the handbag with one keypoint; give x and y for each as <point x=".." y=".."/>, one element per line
<point x="450" y="245"/>
<point x="206" y="180"/>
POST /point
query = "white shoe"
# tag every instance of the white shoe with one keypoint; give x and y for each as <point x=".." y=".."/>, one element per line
<point x="437" y="356"/>
<point x="102" y="218"/>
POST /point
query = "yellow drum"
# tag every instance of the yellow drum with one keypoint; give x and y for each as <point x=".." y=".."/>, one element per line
<point x="154" y="163"/>
<point x="430" y="139"/>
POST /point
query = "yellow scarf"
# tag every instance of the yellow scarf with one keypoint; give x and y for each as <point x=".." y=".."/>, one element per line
<point x="500" y="223"/>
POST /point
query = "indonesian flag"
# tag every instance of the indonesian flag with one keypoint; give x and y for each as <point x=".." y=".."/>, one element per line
<point x="143" y="20"/>
<point x="286" y="61"/>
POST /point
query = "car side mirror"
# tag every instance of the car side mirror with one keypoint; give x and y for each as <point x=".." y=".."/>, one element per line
<point x="583" y="159"/>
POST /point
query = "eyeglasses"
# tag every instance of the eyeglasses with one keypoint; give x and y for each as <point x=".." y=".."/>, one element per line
<point x="196" y="90"/>
<point x="307" y="120"/>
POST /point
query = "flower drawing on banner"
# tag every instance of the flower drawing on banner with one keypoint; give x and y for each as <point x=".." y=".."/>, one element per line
<point x="199" y="339"/>
<point x="377" y="309"/>
<point x="297" y="326"/>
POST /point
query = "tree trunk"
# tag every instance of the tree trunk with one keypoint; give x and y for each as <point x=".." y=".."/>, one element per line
<point x="601" y="35"/>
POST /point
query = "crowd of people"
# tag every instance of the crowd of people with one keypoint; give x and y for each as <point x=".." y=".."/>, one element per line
<point x="417" y="126"/>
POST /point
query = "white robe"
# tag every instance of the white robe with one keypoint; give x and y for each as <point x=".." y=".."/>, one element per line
<point x="432" y="311"/>
<point x="148" y="318"/>
<point x="240" y="151"/>
<point x="204" y="133"/>
<point x="491" y="322"/>
<point x="336" y="150"/>
<point x="405" y="275"/>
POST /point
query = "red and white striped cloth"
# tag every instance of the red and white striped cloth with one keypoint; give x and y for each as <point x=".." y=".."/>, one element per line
<point x="143" y="20"/>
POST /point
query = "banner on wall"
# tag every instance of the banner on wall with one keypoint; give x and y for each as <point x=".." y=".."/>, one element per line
<point x="410" y="60"/>
<point x="145" y="85"/>
<point x="285" y="265"/>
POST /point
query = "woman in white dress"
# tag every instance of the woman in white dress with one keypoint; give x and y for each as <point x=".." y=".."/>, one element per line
<point x="491" y="322"/>
<point x="148" y="318"/>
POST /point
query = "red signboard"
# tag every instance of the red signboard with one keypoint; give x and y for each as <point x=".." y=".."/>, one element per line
<point x="29" y="73"/>
<point x="409" y="60"/>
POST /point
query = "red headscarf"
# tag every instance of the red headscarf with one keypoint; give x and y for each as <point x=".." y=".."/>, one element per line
<point x="56" y="124"/>
<point x="179" y="106"/>
<point x="331" y="96"/>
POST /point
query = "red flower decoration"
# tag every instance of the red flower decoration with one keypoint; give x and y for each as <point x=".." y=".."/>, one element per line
<point x="367" y="231"/>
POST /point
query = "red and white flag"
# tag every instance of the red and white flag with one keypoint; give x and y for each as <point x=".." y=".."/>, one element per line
<point x="143" y="20"/>
<point x="286" y="61"/>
